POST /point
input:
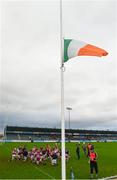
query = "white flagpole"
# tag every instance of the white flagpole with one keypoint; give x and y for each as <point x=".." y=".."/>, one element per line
<point x="63" y="163"/>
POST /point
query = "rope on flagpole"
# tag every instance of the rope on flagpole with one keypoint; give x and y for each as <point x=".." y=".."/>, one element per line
<point x="63" y="68"/>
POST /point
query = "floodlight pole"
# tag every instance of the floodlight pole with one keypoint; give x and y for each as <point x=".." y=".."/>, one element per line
<point x="5" y="137"/>
<point x="69" y="109"/>
<point x="6" y="121"/>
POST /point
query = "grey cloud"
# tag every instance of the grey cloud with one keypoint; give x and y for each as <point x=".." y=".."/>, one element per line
<point x="96" y="123"/>
<point x="33" y="120"/>
<point x="13" y="98"/>
<point x="105" y="106"/>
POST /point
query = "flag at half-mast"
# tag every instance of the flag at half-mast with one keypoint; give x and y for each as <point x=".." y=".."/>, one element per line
<point x="73" y="48"/>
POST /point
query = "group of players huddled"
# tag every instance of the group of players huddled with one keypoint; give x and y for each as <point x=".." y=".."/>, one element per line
<point x="39" y="155"/>
<point x="53" y="154"/>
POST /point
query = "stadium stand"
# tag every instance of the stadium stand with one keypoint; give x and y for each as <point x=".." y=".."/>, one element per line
<point x="42" y="134"/>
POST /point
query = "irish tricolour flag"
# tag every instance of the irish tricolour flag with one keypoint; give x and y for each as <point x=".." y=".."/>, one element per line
<point x="73" y="48"/>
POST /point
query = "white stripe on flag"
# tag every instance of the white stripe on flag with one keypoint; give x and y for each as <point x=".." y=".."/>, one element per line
<point x="74" y="47"/>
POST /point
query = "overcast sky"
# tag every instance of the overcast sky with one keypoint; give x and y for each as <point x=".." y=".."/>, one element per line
<point x="30" y="61"/>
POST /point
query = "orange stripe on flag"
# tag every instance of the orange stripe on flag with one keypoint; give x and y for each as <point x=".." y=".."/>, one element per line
<point x="90" y="50"/>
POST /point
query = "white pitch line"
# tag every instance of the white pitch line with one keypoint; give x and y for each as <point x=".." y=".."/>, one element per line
<point x="45" y="173"/>
<point x="111" y="177"/>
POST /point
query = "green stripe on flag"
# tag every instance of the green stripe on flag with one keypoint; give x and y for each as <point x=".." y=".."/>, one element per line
<point x="66" y="44"/>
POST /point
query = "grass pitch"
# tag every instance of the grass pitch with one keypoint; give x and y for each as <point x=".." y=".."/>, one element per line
<point x="107" y="163"/>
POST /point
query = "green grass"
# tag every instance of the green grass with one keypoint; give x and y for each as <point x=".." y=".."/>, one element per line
<point x="107" y="163"/>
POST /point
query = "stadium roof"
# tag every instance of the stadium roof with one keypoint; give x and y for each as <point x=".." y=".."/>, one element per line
<point x="35" y="129"/>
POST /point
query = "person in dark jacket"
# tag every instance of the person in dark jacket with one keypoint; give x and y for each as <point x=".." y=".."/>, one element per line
<point x="78" y="151"/>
